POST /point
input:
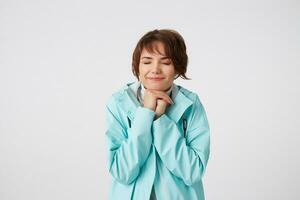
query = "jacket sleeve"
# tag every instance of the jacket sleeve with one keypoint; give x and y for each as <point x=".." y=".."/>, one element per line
<point x="185" y="158"/>
<point x="127" y="148"/>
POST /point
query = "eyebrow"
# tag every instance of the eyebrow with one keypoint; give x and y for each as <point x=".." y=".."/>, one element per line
<point x="163" y="58"/>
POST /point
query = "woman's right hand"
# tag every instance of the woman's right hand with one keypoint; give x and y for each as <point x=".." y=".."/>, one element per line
<point x="151" y="97"/>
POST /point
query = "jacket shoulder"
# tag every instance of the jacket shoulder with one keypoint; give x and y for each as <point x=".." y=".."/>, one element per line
<point x="188" y="93"/>
<point x="116" y="96"/>
<point x="193" y="96"/>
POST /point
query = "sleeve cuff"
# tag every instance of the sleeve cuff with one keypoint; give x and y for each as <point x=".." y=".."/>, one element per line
<point x="143" y="118"/>
<point x="162" y="128"/>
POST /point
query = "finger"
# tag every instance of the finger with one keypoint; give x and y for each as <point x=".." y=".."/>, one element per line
<point x="161" y="95"/>
<point x="164" y="96"/>
<point x="161" y="102"/>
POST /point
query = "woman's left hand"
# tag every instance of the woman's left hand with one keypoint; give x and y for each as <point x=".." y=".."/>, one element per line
<point x="161" y="106"/>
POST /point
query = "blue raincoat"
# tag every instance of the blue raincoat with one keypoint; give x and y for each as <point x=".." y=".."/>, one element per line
<point x="169" y="154"/>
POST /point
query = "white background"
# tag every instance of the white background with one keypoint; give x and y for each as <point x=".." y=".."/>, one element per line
<point x="61" y="60"/>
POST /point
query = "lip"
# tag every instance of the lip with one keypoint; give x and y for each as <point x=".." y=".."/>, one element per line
<point x="155" y="78"/>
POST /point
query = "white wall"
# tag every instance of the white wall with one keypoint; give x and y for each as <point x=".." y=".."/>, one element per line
<point x="60" y="60"/>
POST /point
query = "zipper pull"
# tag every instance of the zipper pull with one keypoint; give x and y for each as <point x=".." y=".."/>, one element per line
<point x="184" y="126"/>
<point x="129" y="122"/>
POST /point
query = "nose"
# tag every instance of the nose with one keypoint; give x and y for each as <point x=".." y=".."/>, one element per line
<point x="156" y="68"/>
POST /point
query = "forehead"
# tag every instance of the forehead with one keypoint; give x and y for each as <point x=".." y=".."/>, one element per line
<point x="154" y="48"/>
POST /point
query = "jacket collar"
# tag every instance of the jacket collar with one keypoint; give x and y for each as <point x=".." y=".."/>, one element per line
<point x="130" y="103"/>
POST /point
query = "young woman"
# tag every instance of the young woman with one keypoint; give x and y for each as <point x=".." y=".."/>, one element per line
<point x="157" y="132"/>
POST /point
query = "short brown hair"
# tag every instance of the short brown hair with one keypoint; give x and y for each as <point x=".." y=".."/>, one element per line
<point x="174" y="46"/>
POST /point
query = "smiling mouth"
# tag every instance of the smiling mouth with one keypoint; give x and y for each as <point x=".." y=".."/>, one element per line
<point x="155" y="78"/>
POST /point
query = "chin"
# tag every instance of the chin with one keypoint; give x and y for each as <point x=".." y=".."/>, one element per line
<point x="156" y="87"/>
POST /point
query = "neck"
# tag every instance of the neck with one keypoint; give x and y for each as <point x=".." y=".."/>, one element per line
<point x="163" y="90"/>
<point x="141" y="91"/>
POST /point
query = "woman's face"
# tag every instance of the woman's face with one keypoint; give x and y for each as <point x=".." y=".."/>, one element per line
<point x="156" y="71"/>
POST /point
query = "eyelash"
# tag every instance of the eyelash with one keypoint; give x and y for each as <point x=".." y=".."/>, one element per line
<point x="163" y="63"/>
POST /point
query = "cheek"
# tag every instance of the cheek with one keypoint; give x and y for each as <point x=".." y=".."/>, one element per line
<point x="142" y="72"/>
<point x="170" y="72"/>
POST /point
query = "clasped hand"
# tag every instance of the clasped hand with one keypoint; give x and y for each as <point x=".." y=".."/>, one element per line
<point x="157" y="101"/>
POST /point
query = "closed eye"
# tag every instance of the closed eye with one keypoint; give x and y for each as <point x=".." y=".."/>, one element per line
<point x="146" y="63"/>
